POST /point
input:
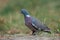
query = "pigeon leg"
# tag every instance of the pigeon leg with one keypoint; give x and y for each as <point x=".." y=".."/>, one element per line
<point x="33" y="33"/>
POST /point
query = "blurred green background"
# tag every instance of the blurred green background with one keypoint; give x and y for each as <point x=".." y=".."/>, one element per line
<point x="11" y="21"/>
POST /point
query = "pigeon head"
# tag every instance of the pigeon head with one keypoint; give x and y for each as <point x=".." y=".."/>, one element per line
<point x="25" y="12"/>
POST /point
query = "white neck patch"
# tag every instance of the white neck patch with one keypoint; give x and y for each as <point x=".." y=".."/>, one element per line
<point x="27" y="15"/>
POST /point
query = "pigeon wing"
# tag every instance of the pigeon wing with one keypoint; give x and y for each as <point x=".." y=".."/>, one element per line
<point x="38" y="24"/>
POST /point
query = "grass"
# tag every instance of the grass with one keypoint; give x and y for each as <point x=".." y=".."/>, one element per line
<point x="48" y="11"/>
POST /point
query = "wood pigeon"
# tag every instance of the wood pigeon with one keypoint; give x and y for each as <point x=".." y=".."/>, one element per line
<point x="34" y="24"/>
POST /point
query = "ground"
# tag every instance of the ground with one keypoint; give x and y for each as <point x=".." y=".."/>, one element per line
<point x="29" y="37"/>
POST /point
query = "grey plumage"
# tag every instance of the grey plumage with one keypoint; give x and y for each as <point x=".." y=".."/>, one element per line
<point x="34" y="24"/>
<point x="39" y="25"/>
